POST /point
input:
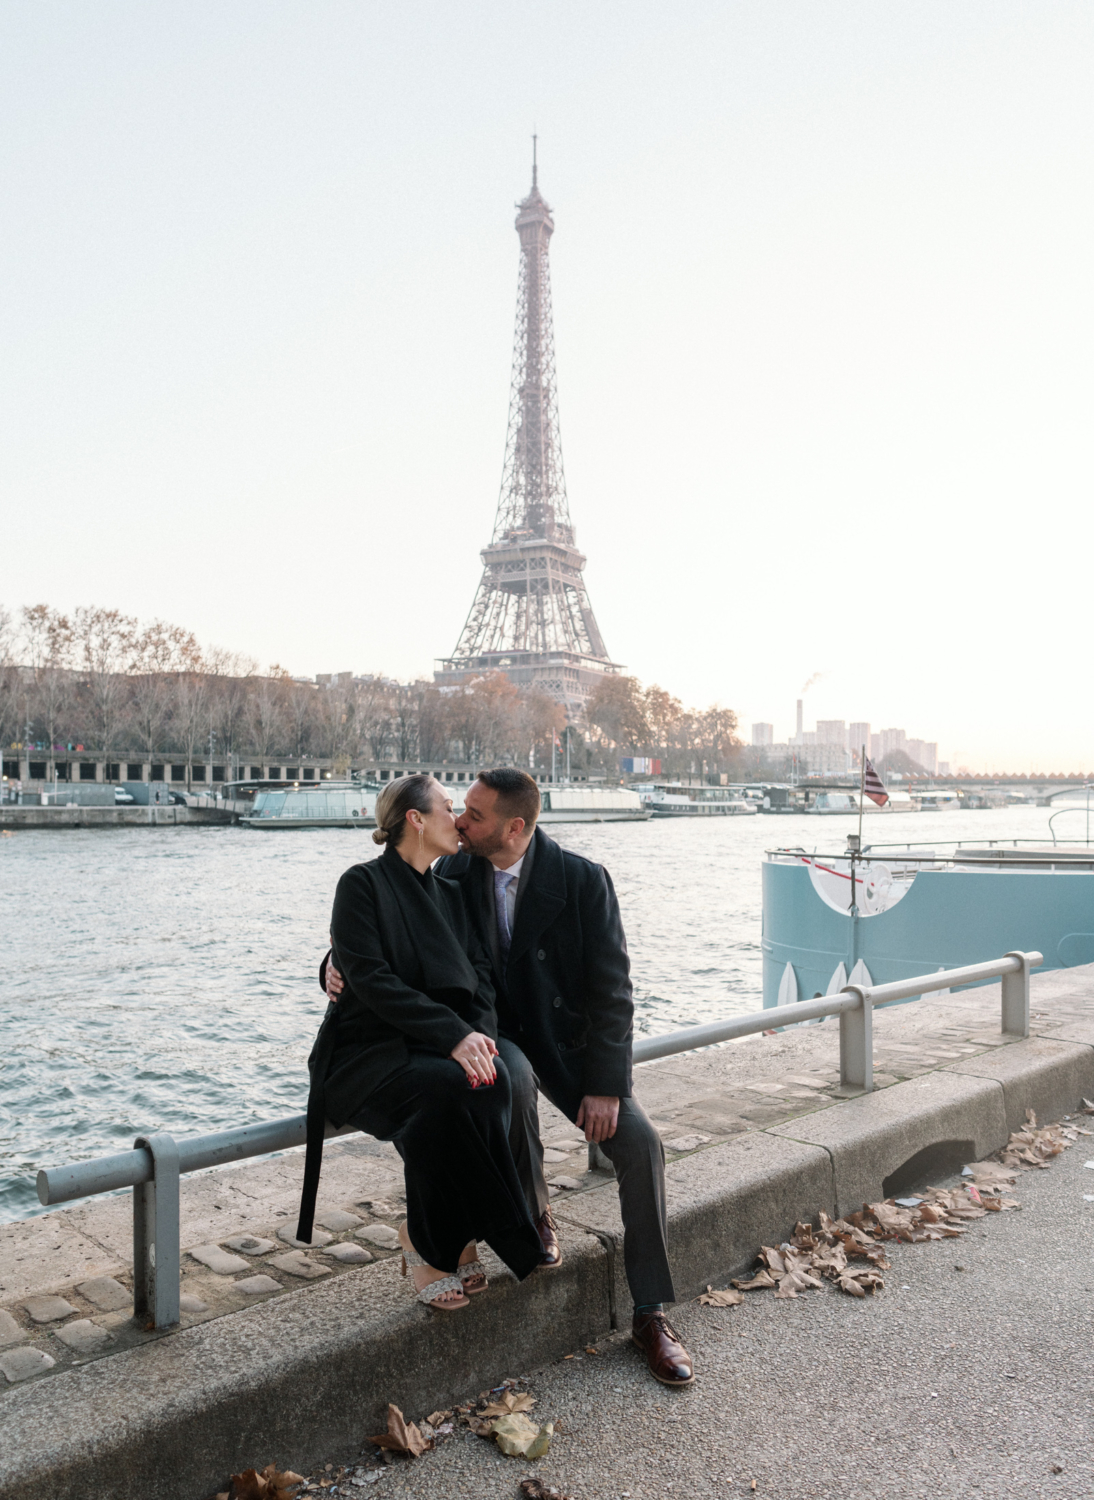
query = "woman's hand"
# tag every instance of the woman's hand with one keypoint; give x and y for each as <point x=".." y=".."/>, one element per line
<point x="474" y="1055"/>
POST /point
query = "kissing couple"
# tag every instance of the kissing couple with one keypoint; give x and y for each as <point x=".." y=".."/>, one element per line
<point x="473" y="965"/>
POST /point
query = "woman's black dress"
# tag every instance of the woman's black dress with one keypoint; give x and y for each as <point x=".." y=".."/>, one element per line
<point x="416" y="983"/>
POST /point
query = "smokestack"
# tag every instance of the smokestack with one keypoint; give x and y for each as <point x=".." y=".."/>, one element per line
<point x="799" y="718"/>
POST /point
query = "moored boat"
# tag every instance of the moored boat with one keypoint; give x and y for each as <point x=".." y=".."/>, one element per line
<point x="672" y="799"/>
<point x="314" y="807"/>
<point x="591" y="804"/>
<point x="919" y="909"/>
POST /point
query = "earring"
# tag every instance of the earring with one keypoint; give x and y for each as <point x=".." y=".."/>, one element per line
<point x="421" y="838"/>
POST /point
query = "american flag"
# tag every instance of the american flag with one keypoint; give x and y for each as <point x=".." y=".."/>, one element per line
<point x="872" y="784"/>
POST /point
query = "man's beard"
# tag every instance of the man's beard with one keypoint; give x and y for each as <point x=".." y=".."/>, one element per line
<point x="490" y="844"/>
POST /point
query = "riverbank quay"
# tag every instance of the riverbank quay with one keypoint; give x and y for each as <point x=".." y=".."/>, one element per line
<point x="295" y="1354"/>
<point x="15" y="818"/>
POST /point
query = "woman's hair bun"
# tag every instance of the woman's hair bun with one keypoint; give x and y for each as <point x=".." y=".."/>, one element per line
<point x="398" y="798"/>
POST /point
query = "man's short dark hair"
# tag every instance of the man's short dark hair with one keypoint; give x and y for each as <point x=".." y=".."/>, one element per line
<point x="518" y="795"/>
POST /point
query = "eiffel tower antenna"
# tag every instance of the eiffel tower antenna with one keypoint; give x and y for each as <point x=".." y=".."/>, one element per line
<point x="531" y="617"/>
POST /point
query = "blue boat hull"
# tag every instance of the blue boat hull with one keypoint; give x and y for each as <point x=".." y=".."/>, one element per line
<point x="948" y="918"/>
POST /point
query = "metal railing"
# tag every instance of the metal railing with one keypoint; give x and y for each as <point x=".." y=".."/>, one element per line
<point x="153" y="1168"/>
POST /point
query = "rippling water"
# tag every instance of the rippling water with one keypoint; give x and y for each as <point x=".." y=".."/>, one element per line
<point x="165" y="979"/>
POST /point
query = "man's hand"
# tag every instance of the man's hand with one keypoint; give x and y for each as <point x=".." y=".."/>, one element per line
<point x="598" y="1116"/>
<point x="335" y="983"/>
<point x="474" y="1056"/>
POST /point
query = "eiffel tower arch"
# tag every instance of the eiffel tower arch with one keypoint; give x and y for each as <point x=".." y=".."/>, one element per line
<point x="531" y="617"/>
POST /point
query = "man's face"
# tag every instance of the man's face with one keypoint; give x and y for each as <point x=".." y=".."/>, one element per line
<point x="481" y="827"/>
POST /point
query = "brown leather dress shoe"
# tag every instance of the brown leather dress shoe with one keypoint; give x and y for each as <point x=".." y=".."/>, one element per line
<point x="552" y="1250"/>
<point x="669" y="1361"/>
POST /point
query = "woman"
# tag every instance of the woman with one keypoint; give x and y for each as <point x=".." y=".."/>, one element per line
<point x="409" y="1053"/>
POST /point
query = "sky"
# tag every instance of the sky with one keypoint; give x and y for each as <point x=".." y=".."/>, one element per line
<point x="824" y="320"/>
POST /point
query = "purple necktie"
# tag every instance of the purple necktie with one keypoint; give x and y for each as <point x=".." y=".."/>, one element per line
<point x="501" y="908"/>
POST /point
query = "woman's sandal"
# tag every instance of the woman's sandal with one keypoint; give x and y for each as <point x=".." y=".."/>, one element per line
<point x="432" y="1293"/>
<point x="472" y="1271"/>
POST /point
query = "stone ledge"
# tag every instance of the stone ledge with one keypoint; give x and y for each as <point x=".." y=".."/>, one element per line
<point x="875" y="1135"/>
<point x="1047" y="1076"/>
<point x="723" y="1203"/>
<point x="307" y="1374"/>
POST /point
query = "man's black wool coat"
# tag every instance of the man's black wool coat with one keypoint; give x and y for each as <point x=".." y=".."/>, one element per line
<point x="565" y="996"/>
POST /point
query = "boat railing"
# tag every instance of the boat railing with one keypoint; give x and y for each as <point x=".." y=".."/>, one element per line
<point x="157" y="1161"/>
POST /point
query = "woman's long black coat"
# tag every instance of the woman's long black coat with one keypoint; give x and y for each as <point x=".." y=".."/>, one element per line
<point x="415" y="976"/>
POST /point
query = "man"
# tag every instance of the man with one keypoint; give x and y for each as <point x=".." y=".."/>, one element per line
<point x="550" y="920"/>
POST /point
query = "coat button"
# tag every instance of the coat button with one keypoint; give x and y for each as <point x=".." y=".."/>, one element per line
<point x="542" y="953"/>
<point x="557" y="1002"/>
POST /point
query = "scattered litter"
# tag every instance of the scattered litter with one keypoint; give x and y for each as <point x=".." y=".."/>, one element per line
<point x="1088" y="1108"/>
<point x="401" y="1436"/>
<point x="908" y="1202"/>
<point x="535" y="1489"/>
<point x="271" y="1484"/>
<point x="727" y="1298"/>
<point x="1088" y="1197"/>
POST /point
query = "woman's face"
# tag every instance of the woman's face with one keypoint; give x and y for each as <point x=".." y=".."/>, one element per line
<point x="439" y="834"/>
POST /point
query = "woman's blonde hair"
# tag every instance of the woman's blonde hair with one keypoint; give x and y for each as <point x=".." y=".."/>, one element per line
<point x="409" y="793"/>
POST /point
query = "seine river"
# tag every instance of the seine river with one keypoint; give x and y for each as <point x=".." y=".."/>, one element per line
<point x="165" y="979"/>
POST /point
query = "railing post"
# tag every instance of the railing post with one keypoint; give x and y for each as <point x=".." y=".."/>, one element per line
<point x="1016" y="998"/>
<point x="856" y="1041"/>
<point x="156" y="1235"/>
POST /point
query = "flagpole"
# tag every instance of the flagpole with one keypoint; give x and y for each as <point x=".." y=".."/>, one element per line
<point x="856" y="854"/>
<point x="861" y="791"/>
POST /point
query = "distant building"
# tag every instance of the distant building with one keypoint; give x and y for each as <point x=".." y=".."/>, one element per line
<point x="924" y="753"/>
<point x="892" y="739"/>
<point x="763" y="734"/>
<point x="943" y="768"/>
<point x="832" y="732"/>
<point x="857" y="736"/>
<point x="817" y="759"/>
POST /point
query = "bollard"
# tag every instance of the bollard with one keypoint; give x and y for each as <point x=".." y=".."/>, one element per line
<point x="856" y="1041"/>
<point x="1016" y="996"/>
<point x="156" y="1235"/>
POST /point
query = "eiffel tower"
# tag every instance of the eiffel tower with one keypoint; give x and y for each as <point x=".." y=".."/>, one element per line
<point x="531" y="618"/>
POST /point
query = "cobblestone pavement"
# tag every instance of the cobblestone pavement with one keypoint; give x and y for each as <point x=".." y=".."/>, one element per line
<point x="970" y="1374"/>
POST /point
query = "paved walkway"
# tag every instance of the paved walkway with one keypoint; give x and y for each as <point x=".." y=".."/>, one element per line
<point x="971" y="1373"/>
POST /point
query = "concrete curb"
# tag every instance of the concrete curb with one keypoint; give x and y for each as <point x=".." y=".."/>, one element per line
<point x="309" y="1373"/>
<point x="878" y="1142"/>
<point x="1046" y="1076"/>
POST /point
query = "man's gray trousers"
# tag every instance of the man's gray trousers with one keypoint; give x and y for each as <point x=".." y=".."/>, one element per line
<point x="638" y="1157"/>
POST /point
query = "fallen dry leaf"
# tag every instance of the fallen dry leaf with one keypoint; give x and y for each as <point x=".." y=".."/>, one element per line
<point x="401" y="1436"/>
<point x="271" y="1484"/>
<point x="759" y="1282"/>
<point x="508" y="1404"/>
<point x="517" y="1437"/>
<point x="726" y="1298"/>
<point x="479" y="1427"/>
<point x="435" y="1418"/>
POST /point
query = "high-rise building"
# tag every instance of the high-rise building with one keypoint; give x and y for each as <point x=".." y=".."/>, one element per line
<point x="924" y="753"/>
<point x="892" y="739"/>
<point x="763" y="734"/>
<point x="532" y="618"/>
<point x="832" y="732"/>
<point x="857" y="736"/>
